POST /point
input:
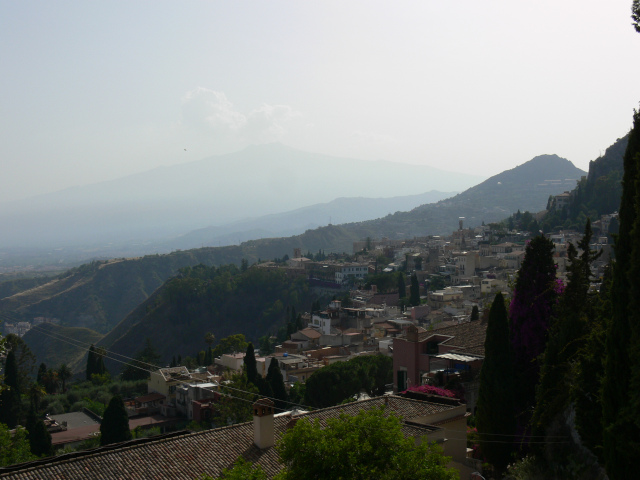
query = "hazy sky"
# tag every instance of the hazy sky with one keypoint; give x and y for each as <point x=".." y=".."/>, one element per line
<point x="97" y="90"/>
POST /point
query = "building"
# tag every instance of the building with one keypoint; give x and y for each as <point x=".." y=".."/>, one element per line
<point x="456" y="348"/>
<point x="183" y="455"/>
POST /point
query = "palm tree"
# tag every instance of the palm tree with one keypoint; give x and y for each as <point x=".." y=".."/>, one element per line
<point x="64" y="374"/>
<point x="209" y="338"/>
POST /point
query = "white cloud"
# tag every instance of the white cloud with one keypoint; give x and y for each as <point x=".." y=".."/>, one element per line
<point x="211" y="112"/>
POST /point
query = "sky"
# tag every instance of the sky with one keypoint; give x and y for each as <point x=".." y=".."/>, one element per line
<point x="91" y="91"/>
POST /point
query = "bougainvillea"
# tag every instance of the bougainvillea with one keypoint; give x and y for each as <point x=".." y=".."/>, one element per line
<point x="431" y="390"/>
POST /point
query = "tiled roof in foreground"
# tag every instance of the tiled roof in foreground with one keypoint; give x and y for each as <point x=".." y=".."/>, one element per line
<point x="190" y="455"/>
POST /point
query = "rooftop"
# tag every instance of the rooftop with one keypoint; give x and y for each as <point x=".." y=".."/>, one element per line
<point x="190" y="455"/>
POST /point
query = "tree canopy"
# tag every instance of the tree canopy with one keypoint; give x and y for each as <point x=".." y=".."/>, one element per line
<point x="115" y="423"/>
<point x="365" y="446"/>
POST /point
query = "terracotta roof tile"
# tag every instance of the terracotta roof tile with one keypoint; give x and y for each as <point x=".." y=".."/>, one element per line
<point x="190" y="455"/>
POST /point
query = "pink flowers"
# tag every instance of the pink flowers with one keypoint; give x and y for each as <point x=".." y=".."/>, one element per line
<point x="431" y="390"/>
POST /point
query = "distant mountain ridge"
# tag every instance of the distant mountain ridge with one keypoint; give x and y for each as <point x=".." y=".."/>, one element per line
<point x="338" y="211"/>
<point x="169" y="201"/>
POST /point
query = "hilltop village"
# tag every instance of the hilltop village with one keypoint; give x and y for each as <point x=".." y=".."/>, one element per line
<point x="421" y="303"/>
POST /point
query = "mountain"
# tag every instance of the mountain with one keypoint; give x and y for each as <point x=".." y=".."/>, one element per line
<point x="100" y="294"/>
<point x="338" y="211"/>
<point x="168" y="201"/>
<point x="597" y="194"/>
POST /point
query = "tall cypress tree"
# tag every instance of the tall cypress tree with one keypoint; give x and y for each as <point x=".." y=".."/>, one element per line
<point x="621" y="384"/>
<point x="91" y="362"/>
<point x="402" y="287"/>
<point x="115" y="423"/>
<point x="276" y="382"/>
<point x="530" y="313"/>
<point x="414" y="291"/>
<point x="250" y="364"/>
<point x="567" y="338"/>
<point x="10" y="402"/>
<point x="495" y="411"/>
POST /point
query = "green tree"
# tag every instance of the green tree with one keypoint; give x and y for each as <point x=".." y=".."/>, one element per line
<point x="10" y="401"/>
<point x="402" y="288"/>
<point x="276" y="382"/>
<point x="530" y="315"/>
<point x="241" y="470"/>
<point x="14" y="448"/>
<point x="495" y="409"/>
<point x="414" y="291"/>
<point x="230" y="344"/>
<point x="115" y="423"/>
<point x="145" y="361"/>
<point x="237" y="398"/>
<point x="64" y="374"/>
<point x="475" y="314"/>
<point x="91" y="361"/>
<point x="250" y="363"/>
<point x="621" y="384"/>
<point x="567" y="337"/>
<point x="42" y="370"/>
<point x="38" y="435"/>
<point x="635" y="14"/>
<point x="365" y="446"/>
<point x="25" y="360"/>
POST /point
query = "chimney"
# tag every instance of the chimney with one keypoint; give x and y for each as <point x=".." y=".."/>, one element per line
<point x="263" y="435"/>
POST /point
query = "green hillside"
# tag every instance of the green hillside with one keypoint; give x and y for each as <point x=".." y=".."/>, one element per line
<point x="223" y="301"/>
<point x="55" y="345"/>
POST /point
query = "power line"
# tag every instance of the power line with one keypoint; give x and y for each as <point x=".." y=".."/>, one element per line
<point x="78" y="343"/>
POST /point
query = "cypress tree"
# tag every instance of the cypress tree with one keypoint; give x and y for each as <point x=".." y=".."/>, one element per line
<point x="620" y="384"/>
<point x="115" y="423"/>
<point x="42" y="370"/>
<point x="91" y="362"/>
<point x="414" y="291"/>
<point x="567" y="339"/>
<point x="530" y="317"/>
<point x="276" y="382"/>
<point x="38" y="435"/>
<point x="402" y="288"/>
<point x="495" y="409"/>
<point x="475" y="314"/>
<point x="10" y="402"/>
<point x="251" y="364"/>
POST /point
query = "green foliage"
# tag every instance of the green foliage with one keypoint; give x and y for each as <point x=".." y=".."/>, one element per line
<point x="414" y="296"/>
<point x="250" y="363"/>
<point x="241" y="470"/>
<point x="25" y="360"/>
<point x="10" y="402"/>
<point x="621" y="384"/>
<point x="567" y="337"/>
<point x="231" y="344"/>
<point x="385" y="282"/>
<point x="14" y="448"/>
<point x="402" y="288"/>
<point x="365" y="446"/>
<point x="276" y="383"/>
<point x="146" y="360"/>
<point x="115" y="423"/>
<point x="237" y="399"/>
<point x="495" y="409"/>
<point x="332" y="384"/>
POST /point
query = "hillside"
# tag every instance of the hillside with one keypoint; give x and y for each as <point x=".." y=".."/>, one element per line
<point x="55" y="345"/>
<point x="223" y="301"/>
<point x="338" y="211"/>
<point x="101" y="294"/>
<point x="597" y="194"/>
